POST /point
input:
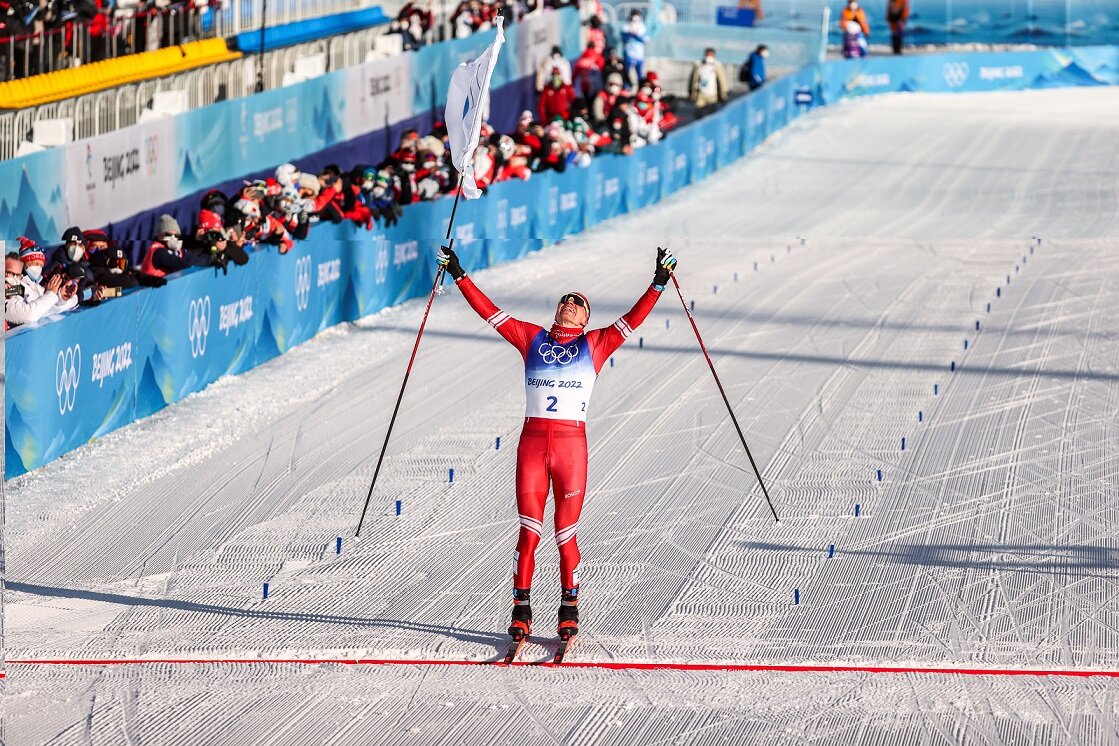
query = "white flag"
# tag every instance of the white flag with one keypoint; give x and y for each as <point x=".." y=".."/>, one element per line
<point x="466" y="100"/>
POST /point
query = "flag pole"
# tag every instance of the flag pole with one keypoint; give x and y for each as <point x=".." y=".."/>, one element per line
<point x="408" y="371"/>
<point x="469" y="83"/>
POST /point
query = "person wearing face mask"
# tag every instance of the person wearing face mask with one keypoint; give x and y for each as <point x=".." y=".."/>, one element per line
<point x="548" y="67"/>
<point x="753" y="69"/>
<point x="165" y="254"/>
<point x="708" y="85"/>
<point x="25" y="300"/>
<point x="561" y="365"/>
<point x="556" y="98"/>
<point x="72" y="251"/>
<point x="606" y="98"/>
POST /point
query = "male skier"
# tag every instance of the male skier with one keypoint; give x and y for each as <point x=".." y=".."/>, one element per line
<point x="561" y="365"/>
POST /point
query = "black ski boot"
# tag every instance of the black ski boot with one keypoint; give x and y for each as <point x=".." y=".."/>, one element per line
<point x="569" y="614"/>
<point x="521" y="625"/>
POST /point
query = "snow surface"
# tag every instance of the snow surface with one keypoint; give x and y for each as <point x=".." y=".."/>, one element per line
<point x="989" y="542"/>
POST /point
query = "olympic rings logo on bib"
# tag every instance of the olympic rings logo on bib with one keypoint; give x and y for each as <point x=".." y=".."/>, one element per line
<point x="557" y="354"/>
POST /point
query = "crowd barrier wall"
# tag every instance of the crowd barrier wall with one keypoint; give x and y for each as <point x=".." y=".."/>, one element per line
<point x="91" y="371"/>
<point x="115" y="176"/>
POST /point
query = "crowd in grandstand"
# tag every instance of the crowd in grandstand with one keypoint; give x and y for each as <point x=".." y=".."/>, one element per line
<point x="603" y="101"/>
<point x="42" y="35"/>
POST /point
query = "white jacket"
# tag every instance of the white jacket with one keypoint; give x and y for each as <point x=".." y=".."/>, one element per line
<point x="34" y="304"/>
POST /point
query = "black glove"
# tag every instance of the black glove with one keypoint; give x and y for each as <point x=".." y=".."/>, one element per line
<point x="666" y="263"/>
<point x="447" y="259"/>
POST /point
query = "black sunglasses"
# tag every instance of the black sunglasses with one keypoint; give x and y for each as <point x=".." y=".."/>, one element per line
<point x="574" y="298"/>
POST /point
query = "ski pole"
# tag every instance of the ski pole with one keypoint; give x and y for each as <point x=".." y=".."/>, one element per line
<point x="725" y="400"/>
<point x="435" y="287"/>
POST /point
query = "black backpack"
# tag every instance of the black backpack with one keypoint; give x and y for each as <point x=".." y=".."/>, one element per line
<point x="746" y="72"/>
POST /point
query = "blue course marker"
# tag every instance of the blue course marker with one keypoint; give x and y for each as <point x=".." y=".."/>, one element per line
<point x="265" y="591"/>
<point x="920" y="416"/>
<point x="640" y="342"/>
<point x="936" y="389"/>
<point x="338" y="545"/>
<point x="998" y="292"/>
<point x="953" y="365"/>
<point x="858" y="509"/>
<point x="497" y="445"/>
<point x="965" y="344"/>
<point x="903" y="444"/>
<point x="399" y="506"/>
<point x="611" y="362"/>
<point x="977" y="325"/>
<point x="796" y="595"/>
<point x="988" y="308"/>
<point x="451" y="476"/>
<point x="831" y="550"/>
<point x="879" y="475"/>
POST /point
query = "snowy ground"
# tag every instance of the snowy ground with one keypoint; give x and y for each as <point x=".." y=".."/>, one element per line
<point x="990" y="541"/>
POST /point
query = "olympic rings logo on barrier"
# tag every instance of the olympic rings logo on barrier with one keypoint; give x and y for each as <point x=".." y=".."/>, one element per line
<point x="553" y="354"/>
<point x="302" y="283"/>
<point x="198" y="325"/>
<point x="956" y="73"/>
<point x="67" y="376"/>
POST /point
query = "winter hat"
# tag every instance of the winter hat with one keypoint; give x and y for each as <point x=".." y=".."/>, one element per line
<point x="434" y="145"/>
<point x="95" y="234"/>
<point x="209" y="221"/>
<point x="309" y="181"/>
<point x="73" y="233"/>
<point x="287" y="174"/>
<point x="168" y="224"/>
<point x="29" y="251"/>
<point x="614" y="78"/>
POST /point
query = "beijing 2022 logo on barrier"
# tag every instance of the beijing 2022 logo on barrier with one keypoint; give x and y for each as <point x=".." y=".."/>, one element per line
<point x="198" y="325"/>
<point x="302" y="283"/>
<point x="558" y="354"/>
<point x="956" y="73"/>
<point x="67" y="376"/>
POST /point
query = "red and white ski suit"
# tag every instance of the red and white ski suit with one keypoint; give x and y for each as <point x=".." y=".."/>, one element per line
<point x="561" y="365"/>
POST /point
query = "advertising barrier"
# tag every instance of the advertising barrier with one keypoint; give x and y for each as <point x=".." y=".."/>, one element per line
<point x="84" y="374"/>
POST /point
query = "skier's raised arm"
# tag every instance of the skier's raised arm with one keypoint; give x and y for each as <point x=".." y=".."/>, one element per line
<point x="604" y="342"/>
<point x="516" y="332"/>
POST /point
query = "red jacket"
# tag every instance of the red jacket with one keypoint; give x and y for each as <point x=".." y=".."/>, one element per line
<point x="556" y="102"/>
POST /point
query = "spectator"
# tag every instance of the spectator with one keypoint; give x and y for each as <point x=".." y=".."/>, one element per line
<point x="856" y="31"/>
<point x="69" y="260"/>
<point x="708" y="85"/>
<point x="897" y="14"/>
<point x="109" y="265"/>
<point x="548" y="67"/>
<point x="211" y="241"/>
<point x="634" y="37"/>
<point x="614" y="64"/>
<point x="587" y="74"/>
<point x="596" y="37"/>
<point x="165" y="254"/>
<point x="556" y="98"/>
<point x="753" y="69"/>
<point x="25" y="300"/>
<point x="606" y="98"/>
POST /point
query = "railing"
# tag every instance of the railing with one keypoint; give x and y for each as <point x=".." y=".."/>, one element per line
<point x="106" y="111"/>
<point x="49" y="44"/>
<point x="57" y="45"/>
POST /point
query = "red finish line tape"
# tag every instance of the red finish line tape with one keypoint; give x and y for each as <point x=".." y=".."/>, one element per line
<point x="608" y="665"/>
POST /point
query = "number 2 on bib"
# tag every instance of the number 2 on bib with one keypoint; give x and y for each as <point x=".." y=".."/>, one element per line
<point x="552" y="401"/>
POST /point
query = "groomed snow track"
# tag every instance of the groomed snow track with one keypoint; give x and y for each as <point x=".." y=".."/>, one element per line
<point x="988" y="544"/>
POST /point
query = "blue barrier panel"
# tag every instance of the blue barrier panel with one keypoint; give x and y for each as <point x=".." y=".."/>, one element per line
<point x="94" y="370"/>
<point x="288" y="34"/>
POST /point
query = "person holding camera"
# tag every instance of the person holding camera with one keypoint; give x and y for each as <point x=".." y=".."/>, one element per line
<point x="211" y="241"/>
<point x="25" y="300"/>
